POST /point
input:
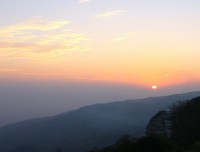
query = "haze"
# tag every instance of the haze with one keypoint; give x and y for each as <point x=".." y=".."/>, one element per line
<point x="59" y="55"/>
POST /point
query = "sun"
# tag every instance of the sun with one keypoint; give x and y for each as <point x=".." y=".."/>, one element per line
<point x="154" y="87"/>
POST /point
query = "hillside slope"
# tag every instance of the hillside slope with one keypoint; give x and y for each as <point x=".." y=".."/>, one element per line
<point x="82" y="129"/>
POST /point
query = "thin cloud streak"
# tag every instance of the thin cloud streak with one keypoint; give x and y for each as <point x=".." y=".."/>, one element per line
<point x="84" y="1"/>
<point x="110" y="14"/>
<point x="35" y="24"/>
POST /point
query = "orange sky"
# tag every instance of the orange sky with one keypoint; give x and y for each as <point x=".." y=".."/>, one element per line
<point x="135" y="44"/>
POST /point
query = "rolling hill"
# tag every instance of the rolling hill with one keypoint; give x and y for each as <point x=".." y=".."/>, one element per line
<point x="80" y="130"/>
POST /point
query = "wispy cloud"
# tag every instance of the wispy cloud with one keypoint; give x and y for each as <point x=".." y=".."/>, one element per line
<point x="39" y="38"/>
<point x="84" y="1"/>
<point x="35" y="24"/>
<point x="110" y="14"/>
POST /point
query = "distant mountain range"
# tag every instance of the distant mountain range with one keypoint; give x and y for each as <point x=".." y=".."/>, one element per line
<point x="80" y="130"/>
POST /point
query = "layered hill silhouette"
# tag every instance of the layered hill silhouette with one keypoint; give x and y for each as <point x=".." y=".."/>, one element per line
<point x="80" y="130"/>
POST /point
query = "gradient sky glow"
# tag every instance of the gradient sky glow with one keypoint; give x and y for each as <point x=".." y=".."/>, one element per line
<point x="59" y="55"/>
<point x="126" y="41"/>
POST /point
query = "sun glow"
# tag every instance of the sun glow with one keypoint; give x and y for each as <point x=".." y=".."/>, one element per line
<point x="116" y="48"/>
<point x="154" y="87"/>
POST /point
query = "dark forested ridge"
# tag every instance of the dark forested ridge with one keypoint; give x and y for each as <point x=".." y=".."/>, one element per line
<point x="80" y="130"/>
<point x="176" y="130"/>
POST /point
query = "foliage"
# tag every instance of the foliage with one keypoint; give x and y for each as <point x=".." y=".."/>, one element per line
<point x="182" y="121"/>
<point x="185" y="119"/>
<point x="125" y="144"/>
<point x="159" y="124"/>
<point x="196" y="147"/>
<point x="154" y="144"/>
<point x="143" y="144"/>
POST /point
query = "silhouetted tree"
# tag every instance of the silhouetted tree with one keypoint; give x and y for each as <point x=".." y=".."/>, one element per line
<point x="159" y="124"/>
<point x="153" y="144"/>
<point x="185" y="120"/>
<point x="196" y="147"/>
<point x="182" y="122"/>
<point x="125" y="144"/>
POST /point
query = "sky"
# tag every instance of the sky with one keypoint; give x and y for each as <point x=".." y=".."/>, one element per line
<point x="116" y="48"/>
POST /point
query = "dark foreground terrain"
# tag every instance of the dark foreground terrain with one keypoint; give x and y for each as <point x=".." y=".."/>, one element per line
<point x="83" y="129"/>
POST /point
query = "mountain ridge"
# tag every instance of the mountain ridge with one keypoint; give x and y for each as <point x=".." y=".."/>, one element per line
<point x="90" y="126"/>
<point x="114" y="102"/>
